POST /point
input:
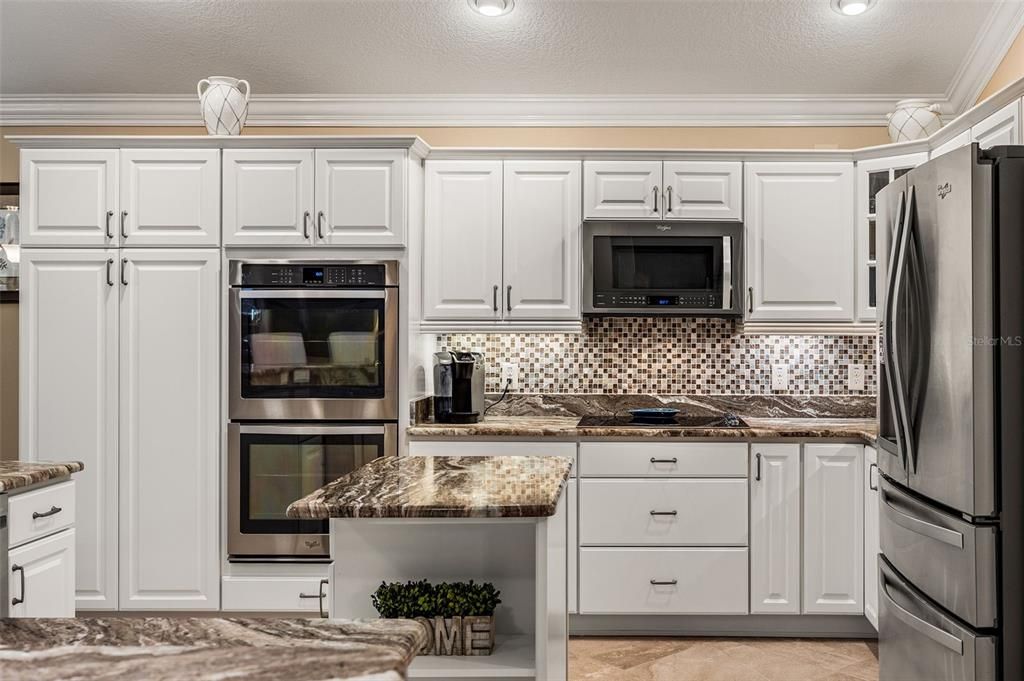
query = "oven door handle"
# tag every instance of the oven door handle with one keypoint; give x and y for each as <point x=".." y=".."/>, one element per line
<point x="726" y="272"/>
<point x="378" y="294"/>
<point x="311" y="430"/>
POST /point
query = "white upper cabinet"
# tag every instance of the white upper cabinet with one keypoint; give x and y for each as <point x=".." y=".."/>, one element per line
<point x="703" y="190"/>
<point x="169" y="430"/>
<point x="833" y="529"/>
<point x="360" y="197"/>
<point x="1002" y="127"/>
<point x="69" y="197"/>
<point x="799" y="241"/>
<point x="775" y="529"/>
<point x="620" y="190"/>
<point x="68" y="395"/>
<point x="170" y="197"/>
<point x="462" y="240"/>
<point x="268" y="197"/>
<point x="541" y="239"/>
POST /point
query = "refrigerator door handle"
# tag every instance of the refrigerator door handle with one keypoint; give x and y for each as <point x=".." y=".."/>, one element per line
<point x="943" y="638"/>
<point x="921" y="527"/>
<point x="899" y="380"/>
<point x="888" y="346"/>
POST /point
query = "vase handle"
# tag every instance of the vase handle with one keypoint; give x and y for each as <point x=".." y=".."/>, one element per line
<point x="247" y="89"/>
<point x="199" y="86"/>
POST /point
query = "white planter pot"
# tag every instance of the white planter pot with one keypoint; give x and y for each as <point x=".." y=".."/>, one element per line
<point x="224" y="105"/>
<point x="912" y="120"/>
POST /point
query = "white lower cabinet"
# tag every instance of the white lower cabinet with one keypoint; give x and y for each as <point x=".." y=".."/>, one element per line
<point x="692" y="581"/>
<point x="309" y="593"/>
<point x="41" y="582"/>
<point x="872" y="545"/>
<point x="775" y="529"/>
<point x="833" y="580"/>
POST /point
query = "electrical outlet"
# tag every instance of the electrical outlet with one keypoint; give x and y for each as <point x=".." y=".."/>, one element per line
<point x="509" y="372"/>
<point x="780" y="377"/>
<point x="855" y="377"/>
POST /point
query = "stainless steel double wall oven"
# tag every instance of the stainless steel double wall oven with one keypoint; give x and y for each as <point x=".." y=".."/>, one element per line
<point x="313" y="364"/>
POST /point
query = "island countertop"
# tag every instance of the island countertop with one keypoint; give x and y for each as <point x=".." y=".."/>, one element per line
<point x="17" y="474"/>
<point x="155" y="648"/>
<point x="442" y="487"/>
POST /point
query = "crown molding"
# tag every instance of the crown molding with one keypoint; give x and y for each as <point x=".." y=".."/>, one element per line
<point x="458" y="110"/>
<point x="991" y="44"/>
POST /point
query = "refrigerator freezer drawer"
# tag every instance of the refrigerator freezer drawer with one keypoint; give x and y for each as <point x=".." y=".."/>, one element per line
<point x="950" y="560"/>
<point x="916" y="640"/>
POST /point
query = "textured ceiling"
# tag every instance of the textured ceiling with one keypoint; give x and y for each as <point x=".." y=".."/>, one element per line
<point x="544" y="47"/>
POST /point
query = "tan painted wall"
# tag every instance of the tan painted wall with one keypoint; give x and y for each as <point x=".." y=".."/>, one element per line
<point x="639" y="138"/>
<point x="1009" y="70"/>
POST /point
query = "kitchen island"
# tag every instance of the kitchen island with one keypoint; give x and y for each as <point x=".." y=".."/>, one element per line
<point x="154" y="648"/>
<point x="491" y="519"/>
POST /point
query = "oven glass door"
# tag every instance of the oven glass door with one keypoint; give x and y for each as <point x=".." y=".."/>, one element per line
<point x="314" y="354"/>
<point x="659" y="265"/>
<point x="272" y="466"/>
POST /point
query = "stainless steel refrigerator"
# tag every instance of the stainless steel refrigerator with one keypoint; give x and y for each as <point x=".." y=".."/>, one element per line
<point x="951" y="420"/>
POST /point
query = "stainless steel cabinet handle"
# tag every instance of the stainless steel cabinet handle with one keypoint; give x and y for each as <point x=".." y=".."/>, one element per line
<point x="110" y="215"/>
<point x="672" y="460"/>
<point x="664" y="512"/>
<point x="508" y="298"/>
<point x="320" y="596"/>
<point x="757" y="466"/>
<point x="110" y="264"/>
<point x="655" y="198"/>
<point x="664" y="582"/>
<point x="305" y="225"/>
<point x="871" y="477"/>
<point x="941" y="637"/>
<point x="921" y="527"/>
<point x="124" y="274"/>
<point x="494" y="301"/>
<point x="750" y="299"/>
<point x="18" y="568"/>
<point x="124" y="231"/>
<point x="54" y="510"/>
<point x="320" y="225"/>
<point x="668" y="199"/>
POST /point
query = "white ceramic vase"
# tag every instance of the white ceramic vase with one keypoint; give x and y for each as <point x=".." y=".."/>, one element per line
<point x="223" y="103"/>
<point x="913" y="119"/>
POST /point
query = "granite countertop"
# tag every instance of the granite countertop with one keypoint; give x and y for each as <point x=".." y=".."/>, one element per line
<point x="163" y="648"/>
<point x="442" y="487"/>
<point x="17" y="474"/>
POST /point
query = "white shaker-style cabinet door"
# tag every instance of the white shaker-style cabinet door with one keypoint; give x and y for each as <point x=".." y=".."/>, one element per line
<point x="775" y="528"/>
<point x="268" y="197"/>
<point x="68" y="395"/>
<point x="360" y="197"/>
<point x="41" y="581"/>
<point x="170" y="197"/>
<point x="170" y="425"/>
<point x="621" y="190"/>
<point x="69" y="197"/>
<point x="462" y="241"/>
<point x="703" y="190"/>
<point x="833" y="529"/>
<point x="541" y="240"/>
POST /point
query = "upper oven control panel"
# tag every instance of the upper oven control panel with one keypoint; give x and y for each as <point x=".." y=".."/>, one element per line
<point x="301" y="275"/>
<point x="691" y="300"/>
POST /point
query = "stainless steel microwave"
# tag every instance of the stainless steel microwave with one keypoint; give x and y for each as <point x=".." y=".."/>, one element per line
<point x="683" y="269"/>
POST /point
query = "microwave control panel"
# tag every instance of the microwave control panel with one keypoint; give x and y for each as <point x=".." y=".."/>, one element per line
<point x="313" y="275"/>
<point x="698" y="300"/>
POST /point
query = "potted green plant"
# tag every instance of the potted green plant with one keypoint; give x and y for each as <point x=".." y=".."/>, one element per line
<point x="458" y="616"/>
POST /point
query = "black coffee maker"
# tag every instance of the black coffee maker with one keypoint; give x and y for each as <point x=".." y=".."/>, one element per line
<point x="458" y="387"/>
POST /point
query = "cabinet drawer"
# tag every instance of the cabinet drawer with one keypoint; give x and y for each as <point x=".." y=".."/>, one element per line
<point x="52" y="506"/>
<point x="663" y="459"/>
<point x="275" y="594"/>
<point x="690" y="581"/>
<point x="660" y="512"/>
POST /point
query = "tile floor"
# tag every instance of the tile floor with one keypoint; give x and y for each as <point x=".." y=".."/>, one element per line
<point x="721" y="659"/>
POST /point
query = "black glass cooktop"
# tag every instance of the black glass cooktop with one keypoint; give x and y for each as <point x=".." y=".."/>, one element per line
<point x="678" y="421"/>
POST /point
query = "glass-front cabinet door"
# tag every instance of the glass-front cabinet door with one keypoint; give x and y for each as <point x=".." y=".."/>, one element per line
<point x="271" y="466"/>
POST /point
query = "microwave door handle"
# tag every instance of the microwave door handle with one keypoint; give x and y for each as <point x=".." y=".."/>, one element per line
<point x="726" y="272"/>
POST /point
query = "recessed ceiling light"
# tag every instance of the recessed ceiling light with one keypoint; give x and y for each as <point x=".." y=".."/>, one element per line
<point x="852" y="8"/>
<point x="492" y="8"/>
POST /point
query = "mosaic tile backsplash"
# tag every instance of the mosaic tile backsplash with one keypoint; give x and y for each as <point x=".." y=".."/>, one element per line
<point x="673" y="356"/>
